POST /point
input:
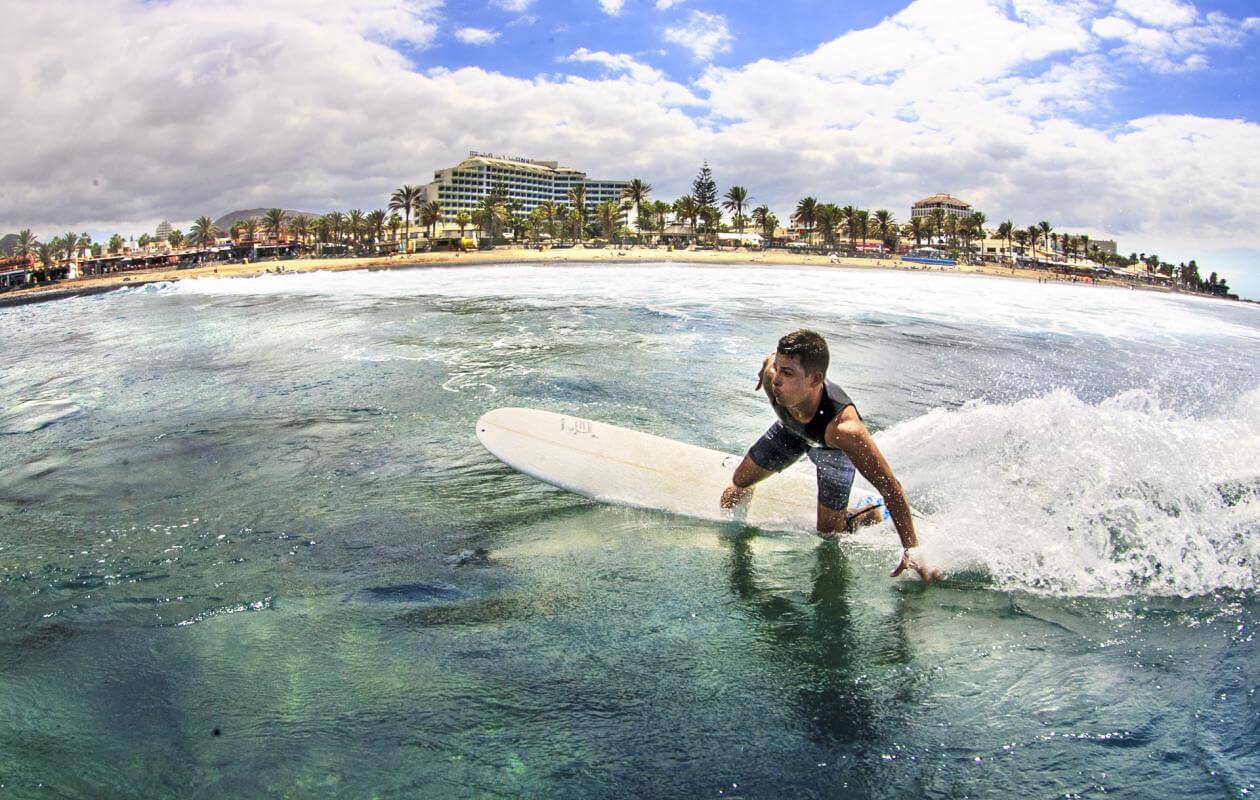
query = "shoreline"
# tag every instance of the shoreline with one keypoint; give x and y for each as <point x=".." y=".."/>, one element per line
<point x="99" y="284"/>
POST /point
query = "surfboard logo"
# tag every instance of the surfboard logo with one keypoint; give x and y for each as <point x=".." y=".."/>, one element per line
<point x="577" y="427"/>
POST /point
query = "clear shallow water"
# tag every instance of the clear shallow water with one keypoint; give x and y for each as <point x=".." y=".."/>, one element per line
<point x="258" y="506"/>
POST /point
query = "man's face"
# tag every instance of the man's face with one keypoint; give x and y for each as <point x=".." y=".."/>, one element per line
<point x="791" y="385"/>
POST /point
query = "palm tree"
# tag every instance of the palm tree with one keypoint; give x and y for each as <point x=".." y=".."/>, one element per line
<point x="273" y="223"/>
<point x="406" y="199"/>
<point x="25" y="246"/>
<point x="936" y="224"/>
<point x="687" y="208"/>
<point x="760" y="216"/>
<point x="1004" y="231"/>
<point x="69" y="244"/>
<point x="430" y="216"/>
<point x="736" y="197"/>
<point x="176" y="239"/>
<point x="374" y="223"/>
<point x="577" y="196"/>
<point x="1083" y="242"/>
<point x="863" y="224"/>
<point x="1045" y="228"/>
<point x="47" y="253"/>
<point x="826" y="217"/>
<point x="918" y="227"/>
<point x="608" y="213"/>
<point x="337" y="226"/>
<point x="250" y="226"/>
<point x="492" y="209"/>
<point x="549" y="211"/>
<point x="116" y="243"/>
<point x="637" y="194"/>
<point x="1034" y="235"/>
<point x="804" y="215"/>
<point x="951" y="229"/>
<point x="395" y="222"/>
<point x="203" y="232"/>
<point x="886" y="226"/>
<point x="300" y="227"/>
<point x="463" y="219"/>
<point x="847" y="216"/>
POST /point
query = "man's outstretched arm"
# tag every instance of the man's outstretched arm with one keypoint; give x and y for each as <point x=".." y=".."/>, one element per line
<point x="847" y="433"/>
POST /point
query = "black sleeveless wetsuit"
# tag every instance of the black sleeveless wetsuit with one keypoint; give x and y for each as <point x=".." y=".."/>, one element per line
<point x="788" y="440"/>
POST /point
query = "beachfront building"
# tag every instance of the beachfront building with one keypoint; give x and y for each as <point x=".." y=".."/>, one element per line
<point x="163" y="232"/>
<point x="528" y="181"/>
<point x="948" y="203"/>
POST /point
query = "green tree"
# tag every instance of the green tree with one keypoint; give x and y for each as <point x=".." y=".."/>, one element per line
<point x="395" y="222"/>
<point x="116" y="243"/>
<point x="687" y="208"/>
<point x="886" y="228"/>
<point x="25" y="245"/>
<point x="704" y="188"/>
<point x="765" y="219"/>
<point x="430" y="215"/>
<point x="1045" y="228"/>
<point x="804" y="215"/>
<point x="463" y="219"/>
<point x="936" y="224"/>
<point x="577" y="196"/>
<point x="356" y="226"/>
<point x="492" y="210"/>
<point x="374" y="225"/>
<point x="736" y="197"/>
<point x="637" y="194"/>
<point x="176" y="239"/>
<point x="273" y="223"/>
<point x="608" y="213"/>
<point x="406" y="199"/>
<point x="203" y="232"/>
<point x="1005" y="231"/>
<point x="827" y="216"/>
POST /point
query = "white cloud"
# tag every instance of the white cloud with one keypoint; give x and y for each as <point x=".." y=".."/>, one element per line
<point x="198" y="111"/>
<point x="612" y="7"/>
<point x="515" y="6"/>
<point x="705" y="35"/>
<point x="665" y="5"/>
<point x="476" y="35"/>
<point x="1160" y="13"/>
<point x="1170" y="43"/>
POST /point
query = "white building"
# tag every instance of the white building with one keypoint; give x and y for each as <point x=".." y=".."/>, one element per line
<point x="948" y="203"/>
<point x="461" y="187"/>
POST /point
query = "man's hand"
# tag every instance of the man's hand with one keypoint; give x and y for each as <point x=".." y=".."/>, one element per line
<point x="766" y="374"/>
<point x="912" y="559"/>
<point x="734" y="495"/>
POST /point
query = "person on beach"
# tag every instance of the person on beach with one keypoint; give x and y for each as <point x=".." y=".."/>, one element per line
<point x="816" y="417"/>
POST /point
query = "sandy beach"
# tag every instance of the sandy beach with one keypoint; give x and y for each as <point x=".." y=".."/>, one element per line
<point x="503" y="255"/>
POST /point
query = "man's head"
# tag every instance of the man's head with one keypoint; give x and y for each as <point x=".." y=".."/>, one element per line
<point x="800" y="362"/>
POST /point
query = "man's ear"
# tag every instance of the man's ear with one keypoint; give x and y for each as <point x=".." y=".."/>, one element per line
<point x="816" y="379"/>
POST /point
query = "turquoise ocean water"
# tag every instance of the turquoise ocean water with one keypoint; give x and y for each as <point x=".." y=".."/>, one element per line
<point x="250" y="547"/>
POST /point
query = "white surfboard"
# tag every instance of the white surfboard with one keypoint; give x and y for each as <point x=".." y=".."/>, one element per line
<point x="626" y="467"/>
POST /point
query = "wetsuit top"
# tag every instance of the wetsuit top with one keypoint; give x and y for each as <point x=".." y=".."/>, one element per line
<point x="834" y="400"/>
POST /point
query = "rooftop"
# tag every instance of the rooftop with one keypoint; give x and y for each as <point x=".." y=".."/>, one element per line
<point x="941" y="198"/>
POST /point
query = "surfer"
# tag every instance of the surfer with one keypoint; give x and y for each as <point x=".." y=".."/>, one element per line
<point x="817" y="418"/>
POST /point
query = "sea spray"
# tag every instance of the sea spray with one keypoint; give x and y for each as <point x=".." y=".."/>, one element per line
<point x="1054" y="495"/>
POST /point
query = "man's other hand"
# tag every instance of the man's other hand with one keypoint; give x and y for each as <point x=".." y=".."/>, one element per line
<point x="734" y="495"/>
<point x="911" y="558"/>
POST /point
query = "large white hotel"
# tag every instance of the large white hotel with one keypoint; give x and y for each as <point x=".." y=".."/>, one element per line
<point x="461" y="187"/>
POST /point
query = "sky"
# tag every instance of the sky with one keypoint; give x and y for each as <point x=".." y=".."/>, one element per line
<point x="1134" y="120"/>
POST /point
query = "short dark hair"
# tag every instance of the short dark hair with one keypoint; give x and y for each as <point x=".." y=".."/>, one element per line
<point x="809" y="347"/>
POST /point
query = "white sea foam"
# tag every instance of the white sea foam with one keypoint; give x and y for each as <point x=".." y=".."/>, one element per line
<point x="1054" y="495"/>
<point x="687" y="291"/>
